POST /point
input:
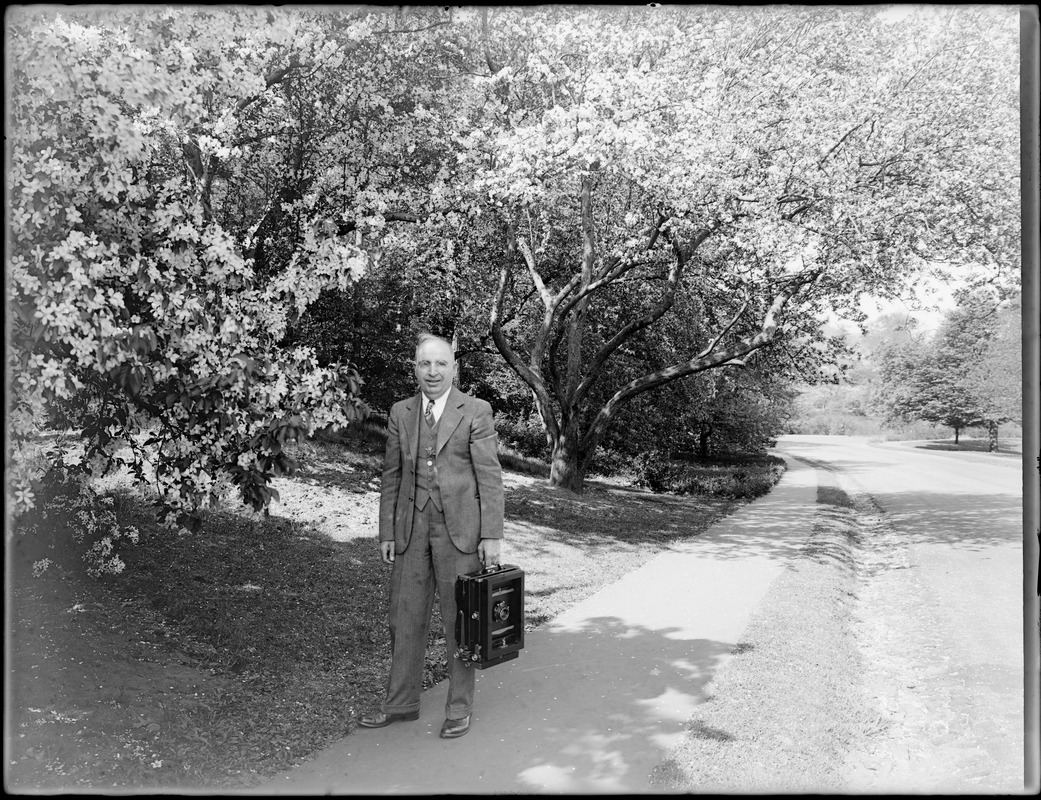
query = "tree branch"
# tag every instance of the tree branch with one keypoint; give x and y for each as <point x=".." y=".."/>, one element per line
<point x="641" y="323"/>
<point x="706" y="359"/>
<point x="273" y="77"/>
<point x="349" y="226"/>
<point x="722" y="333"/>
<point x="536" y="278"/>
<point x="255" y="138"/>
<point x="838" y="144"/>
<point x="529" y="375"/>
<point x="493" y="67"/>
<point x="613" y="269"/>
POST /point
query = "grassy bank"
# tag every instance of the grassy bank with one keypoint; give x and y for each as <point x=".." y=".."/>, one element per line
<point x="222" y="657"/>
<point x="784" y="712"/>
<point x="1006" y="446"/>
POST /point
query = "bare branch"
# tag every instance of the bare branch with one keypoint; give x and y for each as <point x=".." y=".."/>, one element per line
<point x="529" y="375"/>
<point x="493" y="67"/>
<point x="683" y="255"/>
<point x="620" y="268"/>
<point x="536" y="278"/>
<point x="349" y="226"/>
<point x="838" y="144"/>
<point x="706" y="359"/>
<point x="795" y="212"/>
<point x="255" y="138"/>
<point x="273" y="77"/>
<point x="613" y="269"/>
<point x="595" y="369"/>
<point x="652" y="238"/>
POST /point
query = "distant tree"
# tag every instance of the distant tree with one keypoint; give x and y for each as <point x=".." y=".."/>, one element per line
<point x="891" y="328"/>
<point x="920" y="384"/>
<point x="849" y="406"/>
<point x="996" y="379"/>
<point x="956" y="379"/>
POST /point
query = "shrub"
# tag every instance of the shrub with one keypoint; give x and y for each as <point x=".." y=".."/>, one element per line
<point x="608" y="461"/>
<point x="73" y="522"/>
<point x="525" y="436"/>
<point x="654" y="471"/>
<point x="512" y="460"/>
<point x="734" y="478"/>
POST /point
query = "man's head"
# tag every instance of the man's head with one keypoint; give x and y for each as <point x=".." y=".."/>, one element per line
<point x="434" y="366"/>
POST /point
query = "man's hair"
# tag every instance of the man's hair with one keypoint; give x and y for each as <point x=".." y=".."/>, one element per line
<point x="423" y="338"/>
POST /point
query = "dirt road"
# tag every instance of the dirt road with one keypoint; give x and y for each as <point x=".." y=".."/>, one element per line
<point x="946" y="641"/>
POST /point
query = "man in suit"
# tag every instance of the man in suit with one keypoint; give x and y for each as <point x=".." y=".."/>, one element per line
<point x="441" y="515"/>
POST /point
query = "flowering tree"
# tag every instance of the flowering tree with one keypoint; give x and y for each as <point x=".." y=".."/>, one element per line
<point x="186" y="182"/>
<point x="137" y="316"/>
<point x="772" y="162"/>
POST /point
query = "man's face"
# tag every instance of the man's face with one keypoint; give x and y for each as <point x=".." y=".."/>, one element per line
<point x="435" y="368"/>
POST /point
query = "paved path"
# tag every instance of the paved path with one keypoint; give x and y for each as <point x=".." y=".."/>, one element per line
<point x="947" y="615"/>
<point x="600" y="694"/>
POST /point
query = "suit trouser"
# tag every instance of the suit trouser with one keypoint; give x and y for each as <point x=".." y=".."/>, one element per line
<point x="430" y="559"/>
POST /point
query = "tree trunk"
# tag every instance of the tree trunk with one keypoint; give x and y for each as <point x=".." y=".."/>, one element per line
<point x="992" y="436"/>
<point x="703" y="436"/>
<point x="956" y="434"/>
<point x="566" y="469"/>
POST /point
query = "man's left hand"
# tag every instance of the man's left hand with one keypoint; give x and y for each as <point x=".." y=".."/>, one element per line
<point x="488" y="550"/>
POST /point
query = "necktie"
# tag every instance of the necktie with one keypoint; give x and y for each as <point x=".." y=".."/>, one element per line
<point x="430" y="412"/>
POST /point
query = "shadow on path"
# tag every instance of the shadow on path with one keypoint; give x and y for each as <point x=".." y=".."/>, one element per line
<point x="588" y="707"/>
<point x="601" y="693"/>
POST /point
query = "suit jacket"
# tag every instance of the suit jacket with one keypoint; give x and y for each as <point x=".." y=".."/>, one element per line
<point x="469" y="474"/>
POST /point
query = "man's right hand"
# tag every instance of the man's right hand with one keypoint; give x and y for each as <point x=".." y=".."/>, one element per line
<point x="387" y="551"/>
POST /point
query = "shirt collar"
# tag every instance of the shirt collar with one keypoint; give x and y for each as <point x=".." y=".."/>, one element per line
<point x="439" y="404"/>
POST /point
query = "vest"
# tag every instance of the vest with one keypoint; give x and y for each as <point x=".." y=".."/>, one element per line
<point x="426" y="466"/>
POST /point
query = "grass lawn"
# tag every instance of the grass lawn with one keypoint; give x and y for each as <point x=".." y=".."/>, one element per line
<point x="966" y="444"/>
<point x="223" y="657"/>
<point x="782" y="715"/>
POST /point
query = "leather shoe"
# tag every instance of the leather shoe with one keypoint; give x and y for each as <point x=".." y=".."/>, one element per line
<point x="454" y="728"/>
<point x="378" y="719"/>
